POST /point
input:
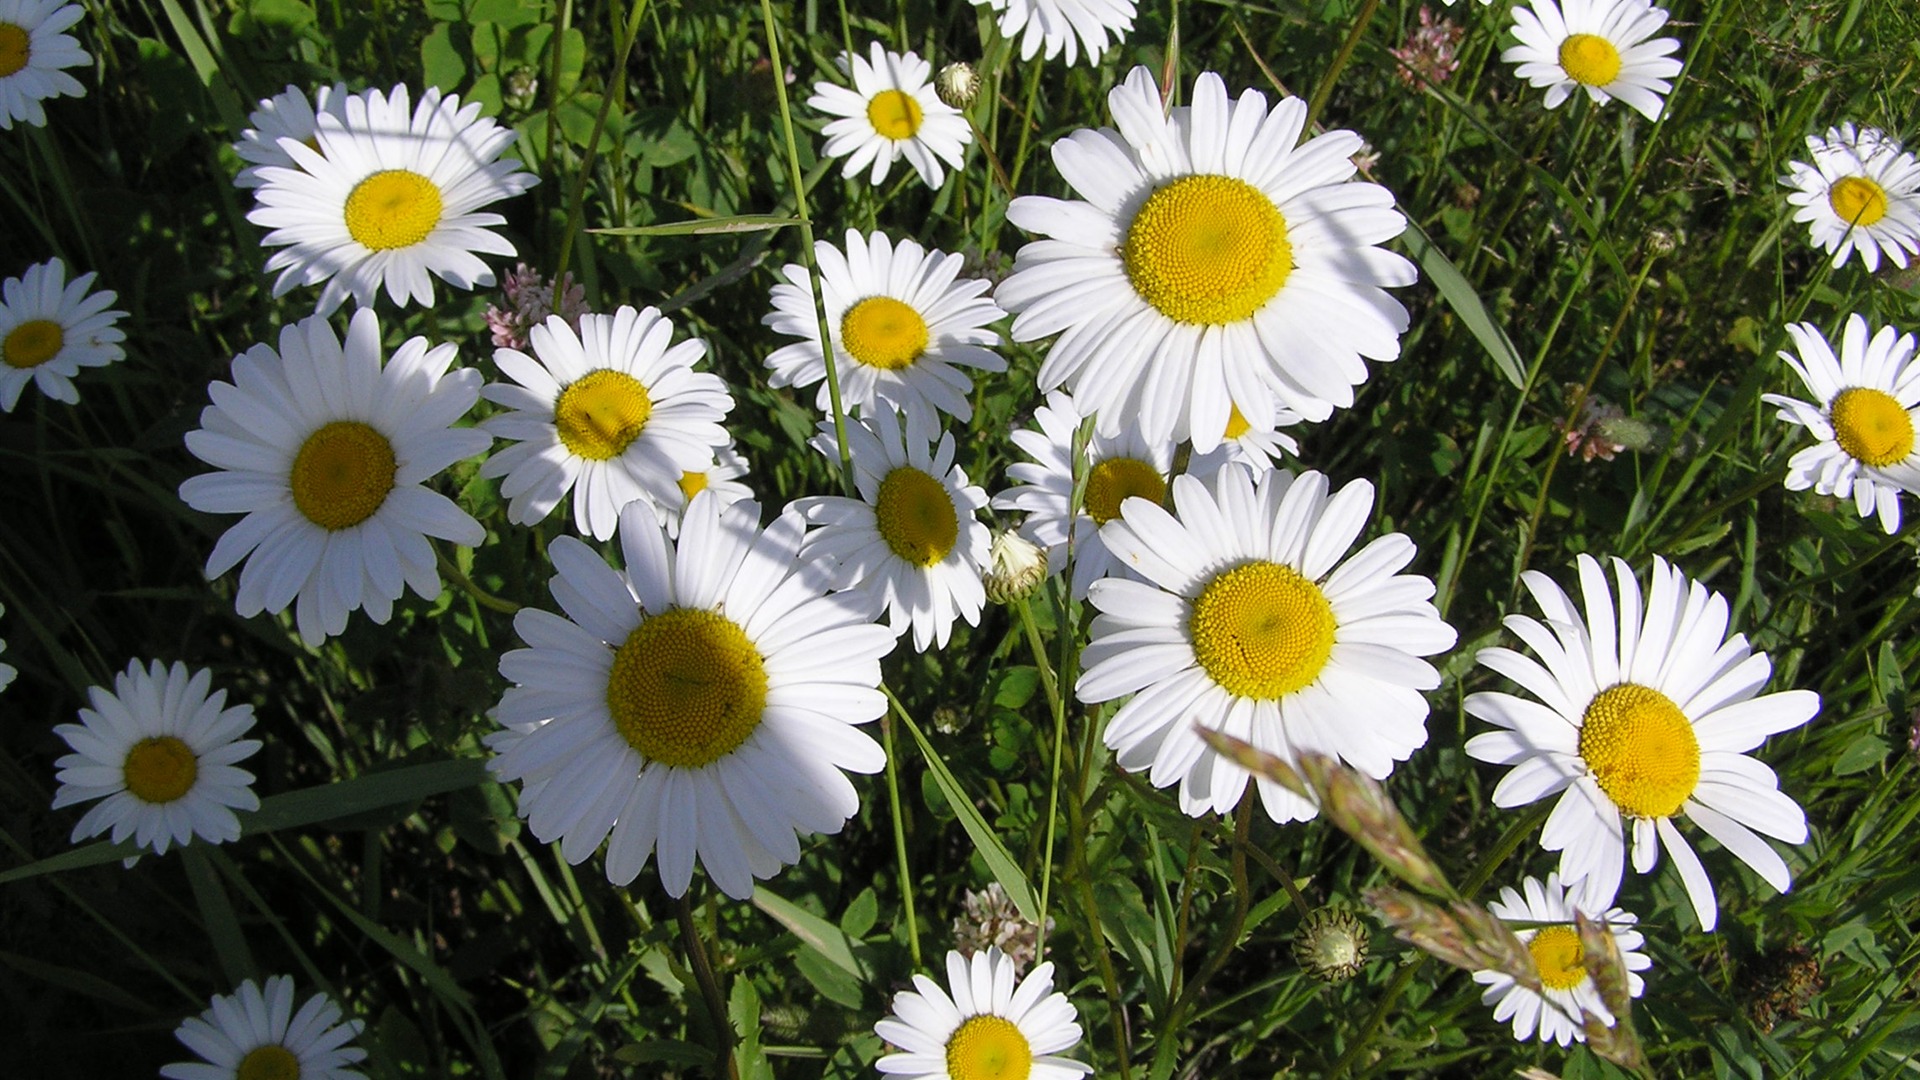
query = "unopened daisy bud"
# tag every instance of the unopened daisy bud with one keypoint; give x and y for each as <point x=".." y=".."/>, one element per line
<point x="1331" y="944"/>
<point x="1662" y="242"/>
<point x="957" y="84"/>
<point x="1016" y="568"/>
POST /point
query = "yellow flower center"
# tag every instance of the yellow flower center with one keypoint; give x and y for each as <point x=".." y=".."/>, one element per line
<point x="1871" y="426"/>
<point x="1237" y="424"/>
<point x="1857" y="200"/>
<point x="269" y="1062"/>
<point x="394" y="208"/>
<point x="601" y="413"/>
<point x="1207" y="249"/>
<point x="32" y="343"/>
<point x="1117" y="479"/>
<point x="15" y="47"/>
<point x="915" y="516"/>
<point x="989" y="1048"/>
<point x="1641" y="749"/>
<point x="691" y="484"/>
<point x="160" y="769"/>
<point x="687" y="687"/>
<point x="1261" y="630"/>
<point x="1557" y="953"/>
<point x="883" y="332"/>
<point x="342" y="474"/>
<point x="1589" y="59"/>
<point x="895" y="114"/>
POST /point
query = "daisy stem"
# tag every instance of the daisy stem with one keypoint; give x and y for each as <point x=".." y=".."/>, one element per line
<point x="576" y="191"/>
<point x="1325" y="90"/>
<point x="1059" y="710"/>
<point x="1097" y="936"/>
<point x="900" y="835"/>
<point x="453" y="573"/>
<point x="1169" y="1042"/>
<point x="709" y="988"/>
<point x="1034" y="73"/>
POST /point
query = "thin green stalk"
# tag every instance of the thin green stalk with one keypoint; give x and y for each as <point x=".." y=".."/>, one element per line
<point x="576" y="191"/>
<point x="900" y="837"/>
<point x="1167" y="1043"/>
<point x="1325" y="90"/>
<point x="452" y="572"/>
<point x="709" y="988"/>
<point x="1059" y="709"/>
<point x="1097" y="945"/>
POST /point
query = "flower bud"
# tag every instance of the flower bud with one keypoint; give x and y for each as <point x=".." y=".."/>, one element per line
<point x="1331" y="944"/>
<point x="1015" y="569"/>
<point x="957" y="84"/>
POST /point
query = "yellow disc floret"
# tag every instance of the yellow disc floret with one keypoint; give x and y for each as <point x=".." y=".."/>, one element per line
<point x="894" y="114"/>
<point x="1557" y="954"/>
<point x="687" y="687"/>
<point x="1871" y="426"/>
<point x="1589" y="59"/>
<point x="160" y="769"/>
<point x="915" y="516"/>
<point x="342" y="474"/>
<point x="884" y="333"/>
<point x="394" y="208"/>
<point x="269" y="1062"/>
<point x="1207" y="249"/>
<point x="1641" y="749"/>
<point x="988" y="1048"/>
<point x="16" y="47"/>
<point x="1857" y="200"/>
<point x="1237" y="424"/>
<point x="1117" y="479"/>
<point x="1262" y="630"/>
<point x="600" y="414"/>
<point x="32" y="343"/>
<point x="691" y="484"/>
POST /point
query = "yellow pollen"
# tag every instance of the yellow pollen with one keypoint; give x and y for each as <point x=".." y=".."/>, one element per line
<point x="1237" y="424"/>
<point x="342" y="474"/>
<point x="160" y="769"/>
<point x="1641" y="749"/>
<point x="1557" y="953"/>
<point x="1117" y="479"/>
<point x="1261" y="630"/>
<point x="1589" y="59"/>
<point x="601" y="413"/>
<point x="1207" y="249"/>
<point x="269" y="1062"/>
<point x="32" y="343"/>
<point x="989" y="1048"/>
<point x="691" y="484"/>
<point x="1857" y="200"/>
<point x="15" y="48"/>
<point x="392" y="209"/>
<point x="687" y="687"/>
<point x="895" y="114"/>
<point x="915" y="516"/>
<point x="884" y="333"/>
<point x="1872" y="427"/>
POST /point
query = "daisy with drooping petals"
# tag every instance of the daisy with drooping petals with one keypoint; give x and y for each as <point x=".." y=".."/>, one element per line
<point x="721" y="475"/>
<point x="1600" y="46"/>
<point x="1075" y="27"/>
<point x="50" y="328"/>
<point x="1257" y="447"/>
<point x="611" y="414"/>
<point x="1867" y="403"/>
<point x="1214" y="264"/>
<point x="1641" y="717"/>
<point x="251" y="1035"/>
<point x="286" y="115"/>
<point x="326" y="452"/>
<point x="1861" y="193"/>
<point x="32" y="51"/>
<point x="159" y="752"/>
<point x="702" y="704"/>
<point x="902" y="326"/>
<point x="913" y="543"/>
<point x="391" y="194"/>
<point x="1551" y="936"/>
<point x="1249" y="623"/>
<point x="989" y="1029"/>
<point x="891" y="112"/>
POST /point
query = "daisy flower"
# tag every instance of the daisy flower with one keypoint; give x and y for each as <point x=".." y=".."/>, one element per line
<point x="32" y="51"/>
<point x="1861" y="193"/>
<point x="702" y="704"/>
<point x="1070" y="26"/>
<point x="913" y="543"/>
<point x="1249" y="623"/>
<point x="1214" y="263"/>
<point x="286" y="115"/>
<point x="610" y="413"/>
<point x="1866" y="403"/>
<point x="1548" y="931"/>
<point x="326" y="452"/>
<point x="251" y="1035"/>
<point x="51" y="328"/>
<point x="1119" y="467"/>
<point x="159" y="752"/>
<point x="1597" y="45"/>
<point x="988" y="1029"/>
<point x="390" y="194"/>
<point x="892" y="111"/>
<point x="903" y="327"/>
<point x="1641" y="717"/>
<point x="721" y="475"/>
<point x="1257" y="447"/>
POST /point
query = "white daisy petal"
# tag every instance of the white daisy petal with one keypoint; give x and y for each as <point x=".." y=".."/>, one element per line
<point x="991" y="1026"/>
<point x="50" y="329"/>
<point x="1543" y="914"/>
<point x="251" y="1034"/>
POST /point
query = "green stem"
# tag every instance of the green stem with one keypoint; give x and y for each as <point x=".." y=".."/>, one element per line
<point x="453" y="573"/>
<point x="709" y="988"/>
<point x="576" y="191"/>
<point x="900" y="837"/>
<point x="1059" y="709"/>
<point x="1325" y="90"/>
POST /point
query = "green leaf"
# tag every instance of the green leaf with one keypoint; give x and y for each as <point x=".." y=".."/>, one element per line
<point x="704" y="226"/>
<point x="78" y="982"/>
<point x="1864" y="753"/>
<point x="818" y="934"/>
<point x="999" y="860"/>
<point x="440" y="60"/>
<point x="216" y="911"/>
<point x="743" y="1009"/>
<point x="1459" y="294"/>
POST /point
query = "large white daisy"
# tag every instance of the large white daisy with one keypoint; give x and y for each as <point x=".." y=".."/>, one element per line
<point x="1865" y="408"/>
<point x="1600" y="46"/>
<point x="702" y="704"/>
<point x="1076" y="27"/>
<point x="391" y="194"/>
<point x="1643" y="716"/>
<point x="1215" y="263"/>
<point x="1860" y="193"/>
<point x="50" y="328"/>
<point x="988" y="1029"/>
<point x="326" y="452"/>
<point x="286" y="115"/>
<point x="891" y="112"/>
<point x="1545" y="914"/>
<point x="251" y="1035"/>
<point x="32" y="51"/>
<point x="1249" y="623"/>
<point x="159" y="751"/>
<point x="611" y="413"/>
<point x="903" y="327"/>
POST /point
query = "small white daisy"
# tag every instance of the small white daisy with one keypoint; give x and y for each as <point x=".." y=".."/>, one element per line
<point x="1641" y="718"/>
<point x="32" y="51"/>
<point x="250" y="1035"/>
<point x="159" y="751"/>
<point x="286" y="115"/>
<point x="1215" y="263"/>
<point x="325" y="451"/>
<point x="1258" y="447"/>
<point x="611" y="413"/>
<point x="1119" y="467"/>
<point x="892" y="111"/>
<point x="913" y="543"/>
<point x="989" y="1029"/>
<point x="1597" y="45"/>
<point x="903" y="327"/>
<point x="1865" y="408"/>
<point x="1558" y="1016"/>
<point x="51" y="328"/>
<point x="1076" y="27"/>
<point x="721" y="476"/>
<point x="702" y="704"/>
<point x="1249" y="623"/>
<point x="391" y="194"/>
<point x="1860" y="193"/>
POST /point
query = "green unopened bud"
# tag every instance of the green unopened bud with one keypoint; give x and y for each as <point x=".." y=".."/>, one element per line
<point x="1014" y="569"/>
<point x="957" y="84"/>
<point x="1331" y="944"/>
